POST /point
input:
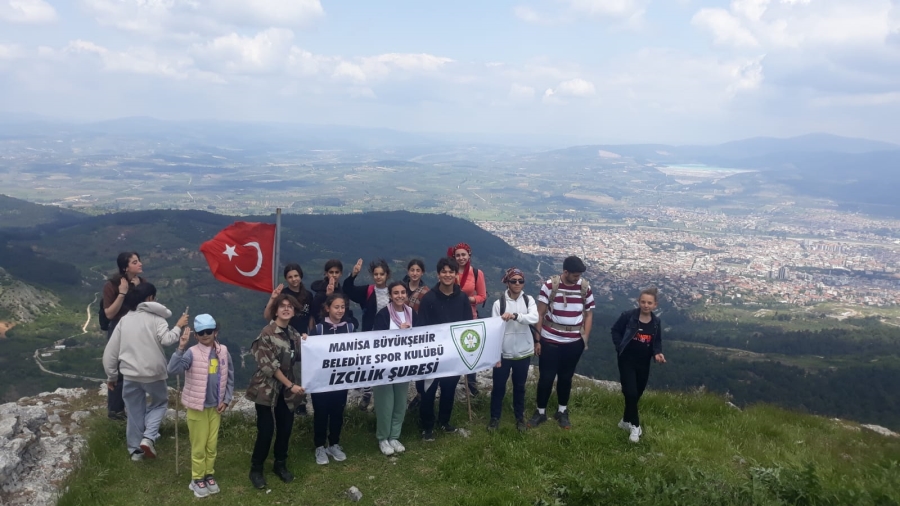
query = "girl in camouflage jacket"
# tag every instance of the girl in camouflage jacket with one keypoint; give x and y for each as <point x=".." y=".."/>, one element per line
<point x="273" y="389"/>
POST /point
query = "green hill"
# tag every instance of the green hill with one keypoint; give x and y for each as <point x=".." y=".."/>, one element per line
<point x="696" y="451"/>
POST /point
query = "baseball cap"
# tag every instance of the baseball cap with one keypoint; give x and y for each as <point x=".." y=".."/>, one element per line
<point x="204" y="322"/>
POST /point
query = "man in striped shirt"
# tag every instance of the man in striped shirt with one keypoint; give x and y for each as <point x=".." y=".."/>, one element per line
<point x="566" y="314"/>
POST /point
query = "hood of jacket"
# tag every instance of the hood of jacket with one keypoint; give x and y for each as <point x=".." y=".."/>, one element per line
<point x="154" y="308"/>
<point x="442" y="295"/>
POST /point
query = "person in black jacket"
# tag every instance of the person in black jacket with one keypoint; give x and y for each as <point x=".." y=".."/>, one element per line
<point x="445" y="303"/>
<point x="372" y="299"/>
<point x="637" y="335"/>
<point x="322" y="288"/>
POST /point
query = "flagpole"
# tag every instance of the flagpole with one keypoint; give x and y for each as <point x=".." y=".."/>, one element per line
<point x="277" y="259"/>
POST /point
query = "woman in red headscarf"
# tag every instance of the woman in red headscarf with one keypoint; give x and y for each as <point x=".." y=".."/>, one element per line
<point x="471" y="282"/>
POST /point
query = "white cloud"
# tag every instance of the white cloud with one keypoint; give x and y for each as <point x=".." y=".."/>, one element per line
<point x="576" y="88"/>
<point x="726" y="28"/>
<point x="627" y="12"/>
<point x="191" y="17"/>
<point x="267" y="51"/>
<point x="10" y="51"/>
<point x="380" y="66"/>
<point x="520" y="93"/>
<point x="26" y="11"/>
<point x="609" y="8"/>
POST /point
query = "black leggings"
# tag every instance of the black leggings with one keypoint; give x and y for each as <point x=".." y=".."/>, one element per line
<point x="634" y="371"/>
<point x="266" y="424"/>
<point x="557" y="361"/>
<point x="328" y="416"/>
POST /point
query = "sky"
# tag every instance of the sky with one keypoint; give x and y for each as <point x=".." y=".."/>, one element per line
<point x="635" y="71"/>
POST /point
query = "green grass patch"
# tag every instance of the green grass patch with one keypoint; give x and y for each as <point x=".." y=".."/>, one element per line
<point x="696" y="450"/>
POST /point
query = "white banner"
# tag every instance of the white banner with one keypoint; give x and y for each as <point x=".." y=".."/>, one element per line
<point x="345" y="361"/>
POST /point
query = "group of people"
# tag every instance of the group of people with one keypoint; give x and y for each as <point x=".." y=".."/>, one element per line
<point x="555" y="326"/>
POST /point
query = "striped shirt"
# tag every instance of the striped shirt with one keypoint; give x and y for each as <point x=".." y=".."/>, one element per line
<point x="567" y="309"/>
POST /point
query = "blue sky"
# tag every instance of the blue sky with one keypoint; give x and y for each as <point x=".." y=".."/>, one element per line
<point x="573" y="71"/>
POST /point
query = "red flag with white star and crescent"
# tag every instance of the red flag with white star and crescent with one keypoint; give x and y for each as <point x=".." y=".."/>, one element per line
<point x="242" y="254"/>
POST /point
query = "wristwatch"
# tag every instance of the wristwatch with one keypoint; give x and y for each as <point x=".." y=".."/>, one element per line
<point x="516" y="316"/>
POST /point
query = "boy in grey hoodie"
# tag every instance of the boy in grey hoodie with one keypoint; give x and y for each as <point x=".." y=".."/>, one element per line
<point x="136" y="350"/>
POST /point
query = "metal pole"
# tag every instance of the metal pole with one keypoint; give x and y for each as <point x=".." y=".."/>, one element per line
<point x="177" y="402"/>
<point x="277" y="260"/>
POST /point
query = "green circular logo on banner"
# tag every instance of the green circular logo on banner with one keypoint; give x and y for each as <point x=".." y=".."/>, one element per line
<point x="470" y="340"/>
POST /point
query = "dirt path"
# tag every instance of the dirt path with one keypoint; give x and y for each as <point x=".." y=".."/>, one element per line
<point x="40" y="363"/>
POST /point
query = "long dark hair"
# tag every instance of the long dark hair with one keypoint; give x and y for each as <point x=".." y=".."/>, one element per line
<point x="302" y="294"/>
<point x="122" y="264"/>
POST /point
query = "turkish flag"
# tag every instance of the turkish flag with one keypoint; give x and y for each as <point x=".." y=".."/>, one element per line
<point x="242" y="254"/>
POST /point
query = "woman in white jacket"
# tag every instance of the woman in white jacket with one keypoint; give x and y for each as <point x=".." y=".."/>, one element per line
<point x="136" y="350"/>
<point x="519" y="311"/>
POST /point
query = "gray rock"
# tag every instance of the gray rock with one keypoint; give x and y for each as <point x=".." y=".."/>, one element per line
<point x="8" y="427"/>
<point x="880" y="430"/>
<point x="354" y="494"/>
<point x="53" y="419"/>
<point x="80" y="416"/>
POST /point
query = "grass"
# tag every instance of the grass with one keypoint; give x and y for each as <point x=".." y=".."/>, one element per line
<point x="696" y="450"/>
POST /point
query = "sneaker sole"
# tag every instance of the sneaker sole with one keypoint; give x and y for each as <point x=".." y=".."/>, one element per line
<point x="337" y="459"/>
<point x="196" y="494"/>
<point x="148" y="452"/>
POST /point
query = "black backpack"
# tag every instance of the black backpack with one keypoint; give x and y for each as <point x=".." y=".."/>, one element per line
<point x="534" y="328"/>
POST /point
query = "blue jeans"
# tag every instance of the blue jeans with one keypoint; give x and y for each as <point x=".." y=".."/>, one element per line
<point x="519" y="369"/>
<point x="144" y="419"/>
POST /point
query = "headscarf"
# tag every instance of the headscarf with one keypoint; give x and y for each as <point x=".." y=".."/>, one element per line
<point x="451" y="252"/>
<point x="512" y="271"/>
<point x="407" y="311"/>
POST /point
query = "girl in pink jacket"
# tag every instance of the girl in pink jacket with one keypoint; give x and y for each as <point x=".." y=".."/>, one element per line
<point x="208" y="390"/>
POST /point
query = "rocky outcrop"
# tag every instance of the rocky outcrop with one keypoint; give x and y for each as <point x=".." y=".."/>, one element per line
<point x="40" y="443"/>
<point x="23" y="301"/>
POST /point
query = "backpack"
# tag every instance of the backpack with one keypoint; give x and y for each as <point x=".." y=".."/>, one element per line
<point x="554" y="288"/>
<point x="503" y="302"/>
<point x="102" y="318"/>
<point x="534" y="328"/>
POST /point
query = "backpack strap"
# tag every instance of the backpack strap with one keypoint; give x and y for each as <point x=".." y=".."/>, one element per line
<point x="503" y="303"/>
<point x="585" y="286"/>
<point x="320" y="329"/>
<point x="554" y="288"/>
<point x="369" y="291"/>
<point x="350" y="327"/>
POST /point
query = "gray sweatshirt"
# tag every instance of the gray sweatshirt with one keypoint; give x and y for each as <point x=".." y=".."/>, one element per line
<point x="136" y="346"/>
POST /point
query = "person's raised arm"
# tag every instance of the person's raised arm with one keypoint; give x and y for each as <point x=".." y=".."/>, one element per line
<point x="269" y="311"/>
<point x="114" y="297"/>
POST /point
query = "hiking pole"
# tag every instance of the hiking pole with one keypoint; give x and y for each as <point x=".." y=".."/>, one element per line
<point x="177" y="401"/>
<point x="468" y="401"/>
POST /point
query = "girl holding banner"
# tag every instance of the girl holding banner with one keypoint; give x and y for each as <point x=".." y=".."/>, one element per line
<point x="328" y="407"/>
<point x="390" y="399"/>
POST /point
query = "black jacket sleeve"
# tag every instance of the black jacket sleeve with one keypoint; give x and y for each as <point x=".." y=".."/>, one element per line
<point x="382" y="320"/>
<point x="618" y="328"/>
<point x="657" y="339"/>
<point x="465" y="310"/>
<point x="356" y="293"/>
<point x="417" y="320"/>
<point x="425" y="310"/>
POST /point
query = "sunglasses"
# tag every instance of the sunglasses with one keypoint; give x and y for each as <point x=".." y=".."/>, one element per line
<point x="207" y="332"/>
<point x="516" y="281"/>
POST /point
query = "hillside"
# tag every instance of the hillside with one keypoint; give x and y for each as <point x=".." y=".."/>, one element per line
<point x="696" y="451"/>
<point x="72" y="259"/>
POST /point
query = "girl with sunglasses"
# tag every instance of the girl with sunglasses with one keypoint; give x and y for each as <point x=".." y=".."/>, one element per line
<point x="208" y="390"/>
<point x="519" y="311"/>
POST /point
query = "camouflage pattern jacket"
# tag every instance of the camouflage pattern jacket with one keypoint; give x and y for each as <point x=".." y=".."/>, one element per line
<point x="272" y="351"/>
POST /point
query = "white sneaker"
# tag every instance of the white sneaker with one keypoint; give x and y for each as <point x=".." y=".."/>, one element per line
<point x="336" y="452"/>
<point x="321" y="456"/>
<point x="385" y="447"/>
<point x="148" y="448"/>
<point x="137" y="455"/>
<point x="398" y="448"/>
<point x="636" y="433"/>
<point x="625" y="425"/>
